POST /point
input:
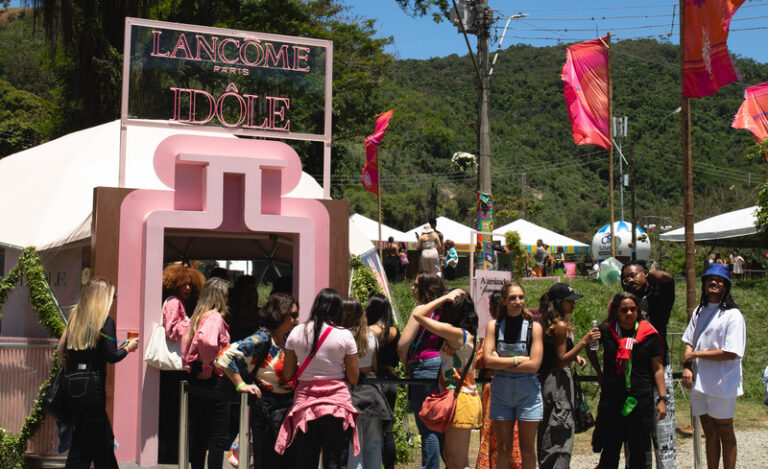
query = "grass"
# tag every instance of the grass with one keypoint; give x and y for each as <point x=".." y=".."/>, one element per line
<point x="750" y="295"/>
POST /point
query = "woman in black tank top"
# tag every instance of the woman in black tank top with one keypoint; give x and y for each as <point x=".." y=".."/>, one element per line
<point x="513" y="348"/>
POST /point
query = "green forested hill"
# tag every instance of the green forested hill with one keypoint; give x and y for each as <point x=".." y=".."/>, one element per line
<point x="435" y="111"/>
<point x="435" y="104"/>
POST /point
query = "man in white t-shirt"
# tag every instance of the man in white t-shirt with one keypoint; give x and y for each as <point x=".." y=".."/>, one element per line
<point x="737" y="263"/>
<point x="714" y="346"/>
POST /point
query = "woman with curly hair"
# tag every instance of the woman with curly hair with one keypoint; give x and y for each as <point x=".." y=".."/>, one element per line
<point x="555" y="437"/>
<point x="181" y="286"/>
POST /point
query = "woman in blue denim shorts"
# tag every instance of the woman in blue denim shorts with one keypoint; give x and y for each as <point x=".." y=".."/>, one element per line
<point x="513" y="347"/>
<point x="419" y="349"/>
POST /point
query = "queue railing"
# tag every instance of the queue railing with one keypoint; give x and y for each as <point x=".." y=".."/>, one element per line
<point x="185" y="390"/>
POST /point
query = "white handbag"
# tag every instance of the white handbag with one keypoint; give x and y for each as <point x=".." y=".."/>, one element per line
<point x="162" y="353"/>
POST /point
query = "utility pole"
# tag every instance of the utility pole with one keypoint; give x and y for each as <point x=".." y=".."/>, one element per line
<point x="522" y="195"/>
<point x="484" y="20"/>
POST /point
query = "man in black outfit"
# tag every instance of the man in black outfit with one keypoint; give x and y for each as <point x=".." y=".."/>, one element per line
<point x="656" y="290"/>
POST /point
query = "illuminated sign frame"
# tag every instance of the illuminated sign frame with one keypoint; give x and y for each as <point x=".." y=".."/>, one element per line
<point x="277" y="123"/>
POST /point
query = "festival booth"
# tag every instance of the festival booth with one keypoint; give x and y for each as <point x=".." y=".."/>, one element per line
<point x="370" y="229"/>
<point x="530" y="233"/>
<point x="170" y="181"/>
<point x="732" y="229"/>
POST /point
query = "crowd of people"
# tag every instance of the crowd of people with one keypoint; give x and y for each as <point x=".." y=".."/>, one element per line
<point x="314" y="383"/>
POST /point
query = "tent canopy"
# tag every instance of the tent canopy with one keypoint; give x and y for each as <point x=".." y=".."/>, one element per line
<point x="530" y="233"/>
<point x="453" y="230"/>
<point x="732" y="229"/>
<point x="370" y="228"/>
<point x="46" y="192"/>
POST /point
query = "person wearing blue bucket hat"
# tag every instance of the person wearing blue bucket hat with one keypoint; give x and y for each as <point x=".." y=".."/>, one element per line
<point x="714" y="346"/>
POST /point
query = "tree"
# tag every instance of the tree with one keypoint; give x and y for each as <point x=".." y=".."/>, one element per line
<point x="25" y="119"/>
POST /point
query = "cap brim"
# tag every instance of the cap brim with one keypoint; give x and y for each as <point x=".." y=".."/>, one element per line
<point x="573" y="297"/>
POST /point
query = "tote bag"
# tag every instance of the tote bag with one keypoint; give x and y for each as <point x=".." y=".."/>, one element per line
<point x="162" y="353"/>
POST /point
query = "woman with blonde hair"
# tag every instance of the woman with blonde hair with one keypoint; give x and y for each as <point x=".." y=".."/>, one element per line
<point x="86" y="346"/>
<point x="208" y="335"/>
<point x="367" y="398"/>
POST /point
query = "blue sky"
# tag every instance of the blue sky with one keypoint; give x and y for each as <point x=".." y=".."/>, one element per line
<point x="557" y="20"/>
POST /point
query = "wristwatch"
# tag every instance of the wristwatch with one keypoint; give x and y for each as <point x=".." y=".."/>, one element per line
<point x="662" y="398"/>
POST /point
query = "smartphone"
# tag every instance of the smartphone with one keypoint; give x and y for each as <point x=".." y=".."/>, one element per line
<point x="133" y="335"/>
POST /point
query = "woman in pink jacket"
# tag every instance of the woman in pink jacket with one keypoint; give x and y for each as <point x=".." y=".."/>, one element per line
<point x="181" y="287"/>
<point x="208" y="335"/>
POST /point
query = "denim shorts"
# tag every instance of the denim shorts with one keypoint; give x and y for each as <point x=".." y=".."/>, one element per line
<point x="515" y="396"/>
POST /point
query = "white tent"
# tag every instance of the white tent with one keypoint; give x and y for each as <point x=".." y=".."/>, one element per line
<point x="733" y="228"/>
<point x="453" y="230"/>
<point x="370" y="228"/>
<point x="46" y="192"/>
<point x="530" y="233"/>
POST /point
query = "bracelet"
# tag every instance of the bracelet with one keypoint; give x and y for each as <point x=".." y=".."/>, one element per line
<point x="240" y="386"/>
<point x="514" y="360"/>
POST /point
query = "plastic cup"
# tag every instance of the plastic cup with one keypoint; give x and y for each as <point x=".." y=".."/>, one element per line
<point x="629" y="406"/>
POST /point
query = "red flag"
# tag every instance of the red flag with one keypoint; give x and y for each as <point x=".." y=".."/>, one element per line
<point x="585" y="74"/>
<point x="753" y="113"/>
<point x="707" y="64"/>
<point x="371" y="168"/>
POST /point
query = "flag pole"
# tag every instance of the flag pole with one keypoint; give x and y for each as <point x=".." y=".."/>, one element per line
<point x="378" y="198"/>
<point x="690" y="257"/>
<point x="607" y="43"/>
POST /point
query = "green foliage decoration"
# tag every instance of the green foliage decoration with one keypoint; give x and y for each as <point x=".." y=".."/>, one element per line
<point x="13" y="446"/>
<point x="364" y="283"/>
<point x="517" y="250"/>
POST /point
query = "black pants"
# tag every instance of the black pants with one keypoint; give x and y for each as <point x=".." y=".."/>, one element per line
<point x="208" y="424"/>
<point x="388" y="447"/>
<point x="168" y="416"/>
<point x="266" y="417"/>
<point x="92" y="438"/>
<point x="633" y="430"/>
<point x="326" y="433"/>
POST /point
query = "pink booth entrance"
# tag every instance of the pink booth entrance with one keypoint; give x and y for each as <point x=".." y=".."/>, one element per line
<point x="228" y="195"/>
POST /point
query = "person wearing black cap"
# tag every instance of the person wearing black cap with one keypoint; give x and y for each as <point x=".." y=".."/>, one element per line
<point x="555" y="436"/>
<point x="714" y="346"/>
<point x="656" y="290"/>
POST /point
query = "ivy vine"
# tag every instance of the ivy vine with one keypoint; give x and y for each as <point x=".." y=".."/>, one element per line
<point x="363" y="282"/>
<point x="13" y="446"/>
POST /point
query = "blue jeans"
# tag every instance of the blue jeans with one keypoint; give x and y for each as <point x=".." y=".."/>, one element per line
<point x="430" y="441"/>
<point x="369" y="433"/>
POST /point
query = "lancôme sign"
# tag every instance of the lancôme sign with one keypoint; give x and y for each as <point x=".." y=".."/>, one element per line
<point x="230" y="81"/>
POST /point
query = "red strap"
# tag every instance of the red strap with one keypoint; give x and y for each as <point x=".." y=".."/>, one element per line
<point x="309" y="358"/>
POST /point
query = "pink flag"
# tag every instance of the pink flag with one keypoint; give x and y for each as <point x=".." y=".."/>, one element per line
<point x="585" y="74"/>
<point x="753" y="113"/>
<point x="371" y="168"/>
<point x="707" y="64"/>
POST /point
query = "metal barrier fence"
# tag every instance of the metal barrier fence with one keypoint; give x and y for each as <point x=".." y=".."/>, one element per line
<point x="245" y="436"/>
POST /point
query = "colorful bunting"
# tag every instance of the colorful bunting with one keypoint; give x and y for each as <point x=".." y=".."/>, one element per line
<point x="585" y="74"/>
<point x="753" y="113"/>
<point x="707" y="64"/>
<point x="371" y="168"/>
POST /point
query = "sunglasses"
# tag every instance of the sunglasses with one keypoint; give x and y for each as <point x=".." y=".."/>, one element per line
<point x="294" y="315"/>
<point x="628" y="309"/>
<point x="515" y="297"/>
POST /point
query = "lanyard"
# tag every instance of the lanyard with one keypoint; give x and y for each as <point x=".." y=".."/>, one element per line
<point x="628" y="368"/>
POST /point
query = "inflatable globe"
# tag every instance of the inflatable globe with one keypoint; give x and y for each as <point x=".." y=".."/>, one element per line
<point x="601" y="243"/>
